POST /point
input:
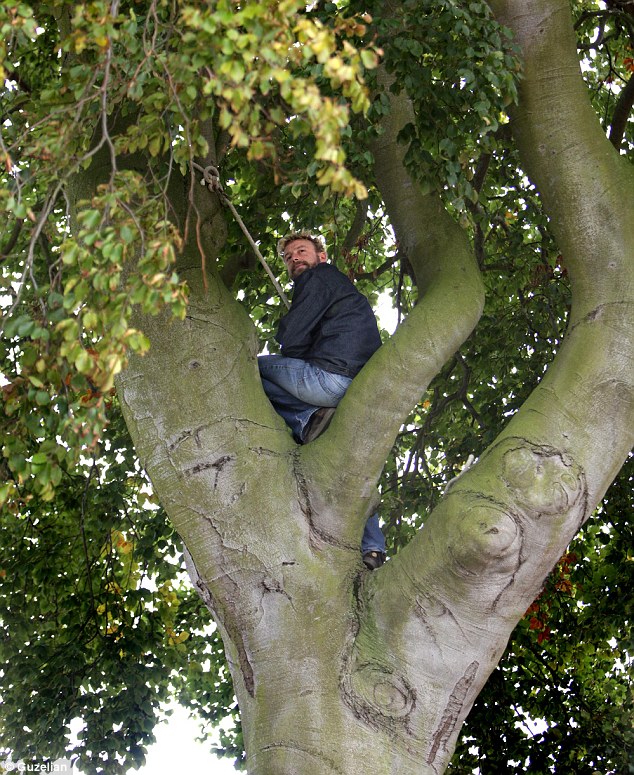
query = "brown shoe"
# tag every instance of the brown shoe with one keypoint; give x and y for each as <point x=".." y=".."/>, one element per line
<point x="373" y="560"/>
<point x="318" y="423"/>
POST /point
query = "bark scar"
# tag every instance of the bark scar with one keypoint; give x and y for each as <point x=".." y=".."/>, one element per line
<point x="316" y="534"/>
<point x="234" y="632"/>
<point x="272" y="585"/>
<point x="304" y="752"/>
<point x="218" y="465"/>
<point x="194" y="433"/>
<point x="452" y="711"/>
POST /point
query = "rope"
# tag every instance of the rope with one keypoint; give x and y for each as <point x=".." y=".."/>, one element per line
<point x="211" y="179"/>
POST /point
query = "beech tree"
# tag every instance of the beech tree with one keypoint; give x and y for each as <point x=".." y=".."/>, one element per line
<point x="459" y="162"/>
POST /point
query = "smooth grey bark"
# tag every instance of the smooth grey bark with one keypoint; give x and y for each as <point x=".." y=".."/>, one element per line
<point x="336" y="668"/>
<point x="584" y="184"/>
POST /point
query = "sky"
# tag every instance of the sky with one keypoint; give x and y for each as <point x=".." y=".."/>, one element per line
<point x="176" y="750"/>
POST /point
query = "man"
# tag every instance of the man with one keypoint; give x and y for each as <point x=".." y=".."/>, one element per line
<point x="326" y="337"/>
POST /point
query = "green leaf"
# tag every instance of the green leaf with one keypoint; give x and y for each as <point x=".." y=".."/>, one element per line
<point x="83" y="362"/>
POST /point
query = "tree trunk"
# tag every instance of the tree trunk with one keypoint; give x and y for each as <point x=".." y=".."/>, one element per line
<point x="338" y="670"/>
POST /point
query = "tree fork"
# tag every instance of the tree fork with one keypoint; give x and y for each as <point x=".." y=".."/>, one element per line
<point x="345" y="667"/>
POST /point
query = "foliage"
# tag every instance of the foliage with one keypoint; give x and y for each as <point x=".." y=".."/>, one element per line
<point x="97" y="622"/>
<point x="95" y="615"/>
<point x="460" y="66"/>
<point x="114" y="83"/>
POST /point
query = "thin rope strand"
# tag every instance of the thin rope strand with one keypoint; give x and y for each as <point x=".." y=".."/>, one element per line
<point x="212" y="180"/>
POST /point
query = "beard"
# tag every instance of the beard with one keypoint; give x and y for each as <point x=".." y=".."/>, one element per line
<point x="297" y="269"/>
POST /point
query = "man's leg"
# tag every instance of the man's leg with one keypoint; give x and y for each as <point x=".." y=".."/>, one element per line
<point x="373" y="543"/>
<point x="295" y="413"/>
<point x="303" y="380"/>
<point x="298" y="389"/>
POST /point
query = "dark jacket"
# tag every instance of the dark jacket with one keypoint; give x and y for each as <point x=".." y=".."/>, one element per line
<point x="329" y="323"/>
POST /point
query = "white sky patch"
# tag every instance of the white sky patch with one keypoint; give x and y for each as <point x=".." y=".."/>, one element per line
<point x="385" y="312"/>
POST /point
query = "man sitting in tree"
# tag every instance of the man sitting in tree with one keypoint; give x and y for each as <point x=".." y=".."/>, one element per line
<point x="326" y="337"/>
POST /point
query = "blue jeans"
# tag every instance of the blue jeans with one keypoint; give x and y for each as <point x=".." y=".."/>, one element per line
<point x="297" y="389"/>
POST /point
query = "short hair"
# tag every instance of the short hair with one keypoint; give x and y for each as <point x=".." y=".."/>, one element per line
<point x="318" y="242"/>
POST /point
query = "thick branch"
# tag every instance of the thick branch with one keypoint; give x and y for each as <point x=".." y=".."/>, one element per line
<point x="585" y="404"/>
<point x="236" y="263"/>
<point x="6" y="249"/>
<point x="581" y="179"/>
<point x="478" y="562"/>
<point x="360" y="219"/>
<point x="621" y="114"/>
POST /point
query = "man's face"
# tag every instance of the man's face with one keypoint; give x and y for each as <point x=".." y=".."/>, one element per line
<point x="300" y="255"/>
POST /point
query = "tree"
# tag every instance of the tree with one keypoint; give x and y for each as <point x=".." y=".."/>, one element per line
<point x="120" y="266"/>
